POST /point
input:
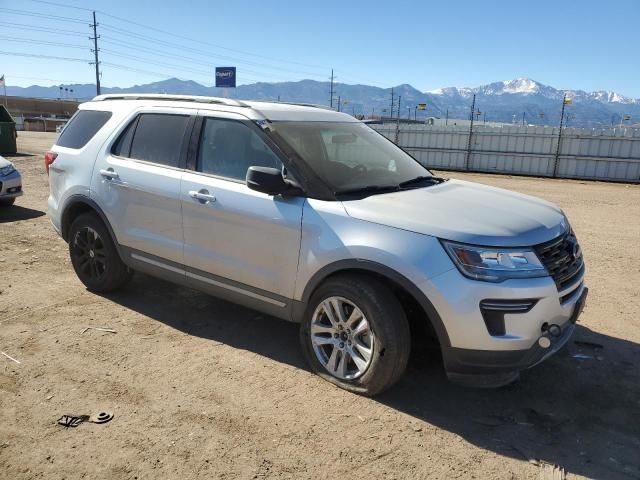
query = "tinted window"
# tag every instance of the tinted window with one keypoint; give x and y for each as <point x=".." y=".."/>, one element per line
<point x="82" y="127"/>
<point x="158" y="138"/>
<point x="349" y="155"/>
<point x="228" y="148"/>
<point x="122" y="147"/>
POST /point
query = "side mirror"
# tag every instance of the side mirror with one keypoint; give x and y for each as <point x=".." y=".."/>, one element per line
<point x="269" y="180"/>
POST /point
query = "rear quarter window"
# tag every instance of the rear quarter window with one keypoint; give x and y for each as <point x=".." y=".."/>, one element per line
<point x="82" y="127"/>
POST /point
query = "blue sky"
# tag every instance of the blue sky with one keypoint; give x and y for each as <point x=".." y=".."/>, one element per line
<point x="584" y="45"/>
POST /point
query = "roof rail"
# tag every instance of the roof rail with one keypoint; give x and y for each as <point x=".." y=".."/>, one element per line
<point x="303" y="104"/>
<point x="167" y="97"/>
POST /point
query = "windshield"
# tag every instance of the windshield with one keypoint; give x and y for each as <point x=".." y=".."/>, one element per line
<point x="349" y="155"/>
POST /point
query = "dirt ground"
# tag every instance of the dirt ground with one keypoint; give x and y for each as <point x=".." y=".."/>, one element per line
<point x="202" y="388"/>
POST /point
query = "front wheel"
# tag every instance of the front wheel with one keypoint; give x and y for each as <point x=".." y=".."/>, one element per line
<point x="7" y="202"/>
<point x="355" y="334"/>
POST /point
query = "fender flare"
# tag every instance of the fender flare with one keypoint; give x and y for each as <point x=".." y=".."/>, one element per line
<point x="83" y="199"/>
<point x="389" y="273"/>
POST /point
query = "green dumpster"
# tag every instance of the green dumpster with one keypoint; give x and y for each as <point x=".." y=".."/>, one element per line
<point x="7" y="132"/>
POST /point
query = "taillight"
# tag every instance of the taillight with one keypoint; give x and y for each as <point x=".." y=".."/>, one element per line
<point x="49" y="157"/>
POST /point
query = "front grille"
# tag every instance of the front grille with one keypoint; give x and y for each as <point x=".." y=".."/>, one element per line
<point x="563" y="259"/>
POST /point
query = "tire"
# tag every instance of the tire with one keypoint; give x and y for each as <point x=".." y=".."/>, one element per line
<point x="388" y="340"/>
<point x="94" y="256"/>
<point x="7" y="202"/>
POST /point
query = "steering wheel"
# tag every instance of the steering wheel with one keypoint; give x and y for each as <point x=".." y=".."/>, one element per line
<point x="360" y="170"/>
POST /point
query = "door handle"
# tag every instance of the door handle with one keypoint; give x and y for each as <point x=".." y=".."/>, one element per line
<point x="109" y="173"/>
<point x="203" y="196"/>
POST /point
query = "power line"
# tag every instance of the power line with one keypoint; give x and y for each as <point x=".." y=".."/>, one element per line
<point x="48" y="57"/>
<point x="57" y="80"/>
<point x="164" y="32"/>
<point x="207" y="53"/>
<point x="27" y="13"/>
<point x="173" y="34"/>
<point x="163" y="64"/>
<point x="40" y="42"/>
<point x="204" y="77"/>
<point x="182" y="58"/>
<point x="180" y="48"/>
<point x="62" y="5"/>
<point x="201" y="42"/>
<point x="23" y="26"/>
<point x="136" y="70"/>
<point x="207" y="72"/>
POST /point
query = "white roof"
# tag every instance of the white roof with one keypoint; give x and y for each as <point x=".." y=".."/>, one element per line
<point x="257" y="110"/>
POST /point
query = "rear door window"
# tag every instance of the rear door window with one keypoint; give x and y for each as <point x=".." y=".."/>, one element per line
<point x="82" y="127"/>
<point x="158" y="138"/>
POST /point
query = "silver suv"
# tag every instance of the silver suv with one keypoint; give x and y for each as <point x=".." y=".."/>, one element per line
<point x="309" y="215"/>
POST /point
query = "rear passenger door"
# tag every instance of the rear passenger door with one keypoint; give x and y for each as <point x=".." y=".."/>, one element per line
<point x="137" y="184"/>
<point x="243" y="244"/>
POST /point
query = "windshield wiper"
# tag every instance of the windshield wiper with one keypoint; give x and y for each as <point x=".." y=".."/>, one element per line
<point x="421" y="179"/>
<point x="368" y="189"/>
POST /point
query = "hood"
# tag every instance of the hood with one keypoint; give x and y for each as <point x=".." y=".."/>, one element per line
<point x="464" y="212"/>
<point x="4" y="162"/>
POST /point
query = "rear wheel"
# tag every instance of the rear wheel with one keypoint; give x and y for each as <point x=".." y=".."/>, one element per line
<point x="355" y="334"/>
<point x="7" y="202"/>
<point x="94" y="256"/>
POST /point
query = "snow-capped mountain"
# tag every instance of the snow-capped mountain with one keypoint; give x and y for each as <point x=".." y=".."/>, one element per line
<point x="504" y="101"/>
<point x="527" y="86"/>
<point x="508" y="100"/>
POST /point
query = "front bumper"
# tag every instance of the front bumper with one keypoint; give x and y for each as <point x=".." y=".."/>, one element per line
<point x="11" y="185"/>
<point x="494" y="359"/>
<point x="482" y="362"/>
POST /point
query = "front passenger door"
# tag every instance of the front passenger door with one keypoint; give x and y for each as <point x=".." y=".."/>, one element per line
<point x="240" y="240"/>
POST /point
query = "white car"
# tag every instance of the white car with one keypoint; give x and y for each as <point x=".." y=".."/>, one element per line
<point x="309" y="215"/>
<point x="10" y="183"/>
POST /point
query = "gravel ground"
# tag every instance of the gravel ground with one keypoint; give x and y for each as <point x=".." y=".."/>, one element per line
<point x="202" y="388"/>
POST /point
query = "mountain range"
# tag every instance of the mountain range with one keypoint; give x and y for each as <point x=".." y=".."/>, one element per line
<point x="504" y="101"/>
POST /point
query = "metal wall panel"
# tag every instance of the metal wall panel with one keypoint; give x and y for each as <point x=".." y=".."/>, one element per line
<point x="601" y="154"/>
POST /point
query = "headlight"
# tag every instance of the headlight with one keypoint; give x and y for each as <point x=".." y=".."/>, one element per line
<point x="494" y="264"/>
<point x="7" y="170"/>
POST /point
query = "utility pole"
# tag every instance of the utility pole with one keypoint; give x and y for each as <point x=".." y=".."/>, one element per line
<point x="339" y="99"/>
<point x="331" y="91"/>
<point x="446" y="118"/>
<point x="391" y="102"/>
<point x="555" y="163"/>
<point x="95" y="52"/>
<point x="397" y="120"/>
<point x="523" y="116"/>
<point x="473" y="107"/>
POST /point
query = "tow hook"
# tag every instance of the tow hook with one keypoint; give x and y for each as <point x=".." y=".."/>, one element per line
<point x="548" y="333"/>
